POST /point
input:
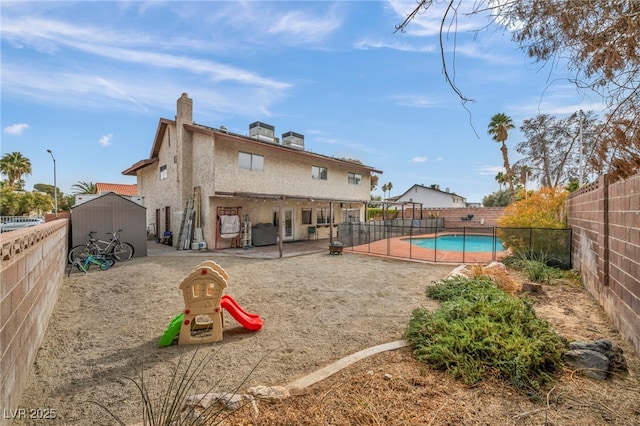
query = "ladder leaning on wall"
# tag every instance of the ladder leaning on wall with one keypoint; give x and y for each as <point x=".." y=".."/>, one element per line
<point x="184" y="237"/>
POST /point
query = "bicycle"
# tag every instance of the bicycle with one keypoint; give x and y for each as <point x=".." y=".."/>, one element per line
<point x="114" y="248"/>
<point x="83" y="263"/>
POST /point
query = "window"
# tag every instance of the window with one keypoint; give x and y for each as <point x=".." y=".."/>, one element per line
<point x="319" y="172"/>
<point x="354" y="178"/>
<point x="163" y="172"/>
<point x="249" y="161"/>
<point x="322" y="216"/>
<point x="306" y="216"/>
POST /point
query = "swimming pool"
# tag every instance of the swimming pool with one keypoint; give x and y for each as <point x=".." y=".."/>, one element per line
<point x="459" y="243"/>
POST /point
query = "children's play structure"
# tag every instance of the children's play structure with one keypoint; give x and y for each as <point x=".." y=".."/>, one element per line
<point x="202" y="320"/>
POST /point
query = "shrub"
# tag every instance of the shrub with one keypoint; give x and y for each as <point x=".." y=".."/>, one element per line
<point x="536" y="225"/>
<point x="479" y="329"/>
<point x="169" y="407"/>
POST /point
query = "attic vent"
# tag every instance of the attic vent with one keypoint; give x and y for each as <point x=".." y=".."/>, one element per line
<point x="293" y="140"/>
<point x="262" y="131"/>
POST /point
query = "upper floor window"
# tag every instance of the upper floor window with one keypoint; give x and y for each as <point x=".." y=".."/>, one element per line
<point x="354" y="178"/>
<point x="250" y="161"/>
<point x="319" y="172"/>
<point x="163" y="172"/>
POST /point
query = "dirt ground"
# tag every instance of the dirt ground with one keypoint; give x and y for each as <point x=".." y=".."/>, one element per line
<point x="316" y="309"/>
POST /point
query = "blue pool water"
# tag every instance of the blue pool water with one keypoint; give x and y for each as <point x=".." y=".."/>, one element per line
<point x="468" y="243"/>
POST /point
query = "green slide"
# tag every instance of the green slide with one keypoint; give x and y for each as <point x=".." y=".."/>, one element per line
<point x="172" y="331"/>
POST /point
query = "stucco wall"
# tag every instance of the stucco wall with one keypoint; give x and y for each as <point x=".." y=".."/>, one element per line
<point x="33" y="263"/>
<point x="285" y="172"/>
<point x="606" y="248"/>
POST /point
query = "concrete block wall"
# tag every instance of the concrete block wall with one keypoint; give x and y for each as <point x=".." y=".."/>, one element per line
<point x="453" y="217"/>
<point x="31" y="272"/>
<point x="605" y="218"/>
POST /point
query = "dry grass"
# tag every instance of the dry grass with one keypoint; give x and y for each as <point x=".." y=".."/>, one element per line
<point x="394" y="389"/>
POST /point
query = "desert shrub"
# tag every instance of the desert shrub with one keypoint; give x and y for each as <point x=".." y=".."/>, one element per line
<point x="167" y="407"/>
<point x="480" y="330"/>
<point x="536" y="268"/>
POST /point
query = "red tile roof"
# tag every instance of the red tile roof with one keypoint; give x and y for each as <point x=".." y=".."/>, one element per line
<point x="118" y="188"/>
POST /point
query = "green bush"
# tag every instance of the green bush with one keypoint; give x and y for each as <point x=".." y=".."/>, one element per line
<point x="536" y="268"/>
<point x="480" y="330"/>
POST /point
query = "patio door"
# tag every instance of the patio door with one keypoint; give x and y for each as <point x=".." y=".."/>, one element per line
<point x="288" y="222"/>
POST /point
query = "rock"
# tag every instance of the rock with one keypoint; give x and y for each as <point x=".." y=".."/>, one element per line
<point x="597" y="358"/>
<point x="269" y="392"/>
<point x="592" y="363"/>
<point x="228" y="401"/>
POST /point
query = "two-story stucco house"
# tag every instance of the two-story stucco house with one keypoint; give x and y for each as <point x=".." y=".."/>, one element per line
<point x="241" y="183"/>
<point x="430" y="197"/>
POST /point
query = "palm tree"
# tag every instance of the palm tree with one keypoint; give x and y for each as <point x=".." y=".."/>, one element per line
<point x="385" y="187"/>
<point x="14" y="165"/>
<point x="501" y="178"/>
<point x="499" y="127"/>
<point x="84" y="188"/>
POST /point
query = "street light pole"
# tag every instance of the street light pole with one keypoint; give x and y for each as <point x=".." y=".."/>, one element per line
<point x="55" y="186"/>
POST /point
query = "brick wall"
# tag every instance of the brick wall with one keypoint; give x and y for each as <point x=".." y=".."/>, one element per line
<point x="605" y="218"/>
<point x="31" y="272"/>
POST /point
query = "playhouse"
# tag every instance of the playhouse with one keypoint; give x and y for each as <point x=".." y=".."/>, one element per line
<point x="202" y="319"/>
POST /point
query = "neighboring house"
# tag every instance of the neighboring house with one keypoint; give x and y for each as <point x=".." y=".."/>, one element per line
<point x="429" y="197"/>
<point x="242" y="183"/>
<point x="127" y="190"/>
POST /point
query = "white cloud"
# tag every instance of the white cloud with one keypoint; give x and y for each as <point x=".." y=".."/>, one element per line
<point x="414" y="101"/>
<point x="305" y="27"/>
<point x="366" y="44"/>
<point x="419" y="159"/>
<point x="105" y="140"/>
<point x="428" y="22"/>
<point x="125" y="47"/>
<point x="489" y="170"/>
<point x="16" y="129"/>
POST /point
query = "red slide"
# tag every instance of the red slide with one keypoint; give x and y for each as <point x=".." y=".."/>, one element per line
<point x="249" y="321"/>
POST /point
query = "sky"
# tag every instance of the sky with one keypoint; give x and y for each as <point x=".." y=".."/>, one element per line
<point x="91" y="80"/>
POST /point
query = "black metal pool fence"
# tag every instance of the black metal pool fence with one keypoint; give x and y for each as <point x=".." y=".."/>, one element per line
<point x="553" y="246"/>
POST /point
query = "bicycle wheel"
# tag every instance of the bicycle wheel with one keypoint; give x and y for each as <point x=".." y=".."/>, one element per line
<point x="106" y="264"/>
<point x="123" y="252"/>
<point x="78" y="252"/>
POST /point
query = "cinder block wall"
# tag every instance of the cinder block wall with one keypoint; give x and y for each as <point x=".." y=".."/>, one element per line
<point x="453" y="217"/>
<point x="606" y="249"/>
<point x="31" y="272"/>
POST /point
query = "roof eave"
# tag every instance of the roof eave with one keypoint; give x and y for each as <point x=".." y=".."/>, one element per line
<point x="131" y="171"/>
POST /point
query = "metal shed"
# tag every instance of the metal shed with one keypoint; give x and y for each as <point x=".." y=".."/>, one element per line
<point x="107" y="213"/>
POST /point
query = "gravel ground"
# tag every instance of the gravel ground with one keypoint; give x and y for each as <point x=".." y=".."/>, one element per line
<point x="316" y="308"/>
